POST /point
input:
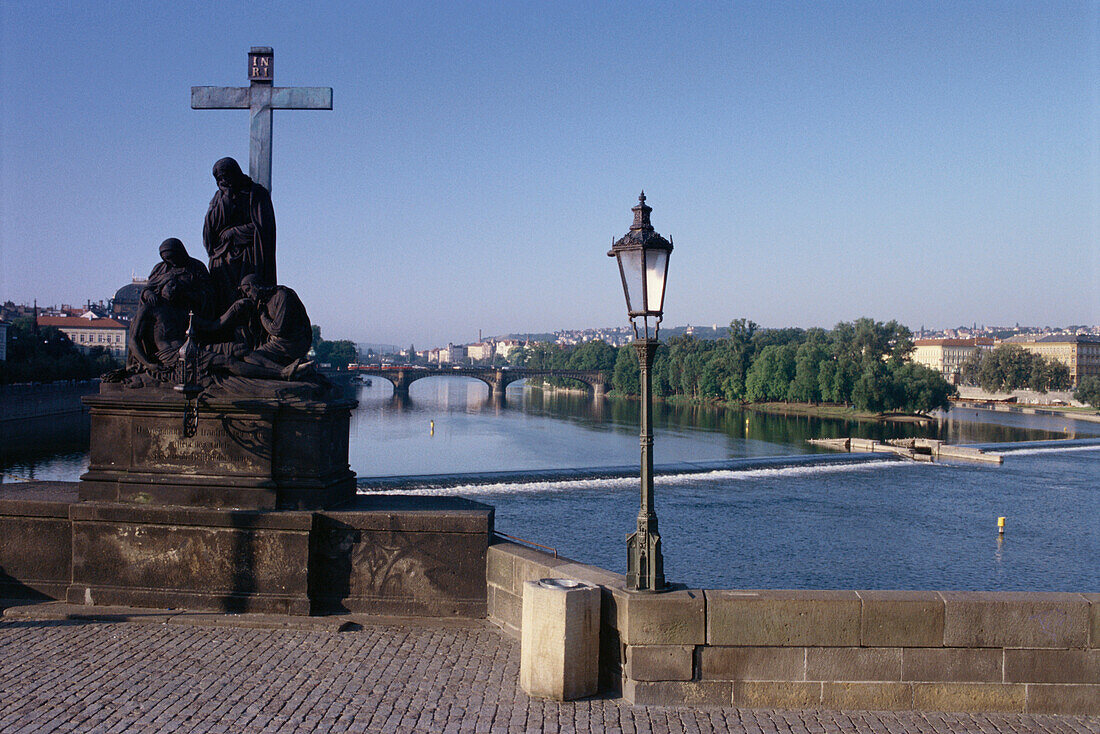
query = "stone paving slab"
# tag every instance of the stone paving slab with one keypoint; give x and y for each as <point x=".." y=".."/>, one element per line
<point x="131" y="671"/>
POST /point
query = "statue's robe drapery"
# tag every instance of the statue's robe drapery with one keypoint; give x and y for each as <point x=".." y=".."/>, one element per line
<point x="287" y="334"/>
<point x="193" y="278"/>
<point x="248" y="217"/>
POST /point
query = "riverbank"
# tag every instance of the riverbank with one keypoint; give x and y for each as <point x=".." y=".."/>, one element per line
<point x="1063" y="411"/>
<point x="816" y="410"/>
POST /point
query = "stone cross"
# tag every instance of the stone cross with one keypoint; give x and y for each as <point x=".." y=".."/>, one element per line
<point x="260" y="97"/>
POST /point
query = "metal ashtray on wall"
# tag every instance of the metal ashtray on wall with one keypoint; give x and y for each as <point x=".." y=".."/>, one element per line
<point x="560" y="639"/>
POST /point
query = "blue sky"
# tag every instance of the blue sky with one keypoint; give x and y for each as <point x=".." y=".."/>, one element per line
<point x="938" y="163"/>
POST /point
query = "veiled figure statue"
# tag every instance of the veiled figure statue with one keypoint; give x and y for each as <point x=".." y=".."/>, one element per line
<point x="189" y="274"/>
<point x="238" y="233"/>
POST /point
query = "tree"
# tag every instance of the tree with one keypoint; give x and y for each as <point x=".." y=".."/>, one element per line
<point x="806" y="386"/>
<point x="922" y="389"/>
<point x="1088" y="391"/>
<point x="46" y="354"/>
<point x="837" y="378"/>
<point x="771" y="374"/>
<point x="969" y="369"/>
<point x="737" y="351"/>
<point x="1049" y="374"/>
<point x="875" y="390"/>
<point x="625" y="379"/>
<point x="593" y="355"/>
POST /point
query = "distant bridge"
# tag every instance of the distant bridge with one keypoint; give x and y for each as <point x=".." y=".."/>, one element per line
<point x="496" y="378"/>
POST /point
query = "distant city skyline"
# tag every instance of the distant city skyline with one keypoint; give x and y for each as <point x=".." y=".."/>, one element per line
<point x="579" y="334"/>
<point x="814" y="163"/>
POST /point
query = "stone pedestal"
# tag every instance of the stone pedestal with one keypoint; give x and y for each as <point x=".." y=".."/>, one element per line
<point x="36" y="552"/>
<point x="560" y="639"/>
<point x="384" y="554"/>
<point x="261" y="453"/>
<point x="256" y="512"/>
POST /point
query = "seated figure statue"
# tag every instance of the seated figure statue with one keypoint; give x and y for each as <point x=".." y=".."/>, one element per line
<point x="158" y="331"/>
<point x="279" y="325"/>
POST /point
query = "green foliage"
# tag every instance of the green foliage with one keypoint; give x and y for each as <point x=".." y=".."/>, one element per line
<point x="923" y="389"/>
<point x="1011" y="367"/>
<point x="1088" y="391"/>
<point x="338" y="353"/>
<point x="49" y="355"/>
<point x="862" y="363"/>
<point x="626" y="377"/>
<point x="593" y="355"/>
<point x="808" y="360"/>
<point x="771" y="374"/>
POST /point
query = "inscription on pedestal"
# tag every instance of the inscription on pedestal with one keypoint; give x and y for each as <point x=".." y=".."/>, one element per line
<point x="238" y="446"/>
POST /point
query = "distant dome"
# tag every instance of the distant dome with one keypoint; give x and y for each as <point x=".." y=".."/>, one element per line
<point x="129" y="294"/>
<point x="124" y="305"/>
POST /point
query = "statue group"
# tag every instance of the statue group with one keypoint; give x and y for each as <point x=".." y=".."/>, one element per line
<point x="242" y="321"/>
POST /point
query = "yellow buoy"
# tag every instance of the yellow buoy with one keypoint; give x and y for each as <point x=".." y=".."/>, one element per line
<point x="431" y="431"/>
<point x="1000" y="526"/>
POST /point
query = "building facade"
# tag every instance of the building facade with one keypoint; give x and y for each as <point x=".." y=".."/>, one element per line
<point x="87" y="332"/>
<point x="3" y="340"/>
<point x="480" y="351"/>
<point x="946" y="356"/>
<point x="1080" y="353"/>
<point x="452" y="354"/>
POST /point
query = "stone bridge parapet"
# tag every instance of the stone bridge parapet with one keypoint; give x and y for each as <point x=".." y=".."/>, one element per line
<point x="979" y="651"/>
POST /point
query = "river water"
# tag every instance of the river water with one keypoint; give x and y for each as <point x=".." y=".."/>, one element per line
<point x="882" y="524"/>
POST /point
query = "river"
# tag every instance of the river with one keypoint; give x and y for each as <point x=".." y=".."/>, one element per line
<point x="883" y="524"/>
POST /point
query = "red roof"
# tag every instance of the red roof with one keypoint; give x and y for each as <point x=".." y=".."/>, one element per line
<point x="973" y="342"/>
<point x="76" y="322"/>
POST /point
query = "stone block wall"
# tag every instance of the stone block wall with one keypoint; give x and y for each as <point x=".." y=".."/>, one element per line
<point x="900" y="650"/>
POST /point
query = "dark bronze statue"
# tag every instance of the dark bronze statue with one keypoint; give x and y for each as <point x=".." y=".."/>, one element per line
<point x="279" y="325"/>
<point x="189" y="274"/>
<point x="239" y="232"/>
<point x="251" y="332"/>
<point x="157" y="332"/>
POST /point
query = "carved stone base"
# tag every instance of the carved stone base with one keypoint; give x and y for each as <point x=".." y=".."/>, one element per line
<point x="401" y="555"/>
<point x="261" y="453"/>
<point x="190" y="558"/>
<point x="386" y="554"/>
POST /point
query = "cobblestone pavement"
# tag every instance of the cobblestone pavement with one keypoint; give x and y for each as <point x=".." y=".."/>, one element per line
<point x="65" y="675"/>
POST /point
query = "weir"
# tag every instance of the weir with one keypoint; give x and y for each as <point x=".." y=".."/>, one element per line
<point x="442" y="481"/>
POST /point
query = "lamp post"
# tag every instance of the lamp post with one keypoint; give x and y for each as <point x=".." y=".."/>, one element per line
<point x="642" y="255"/>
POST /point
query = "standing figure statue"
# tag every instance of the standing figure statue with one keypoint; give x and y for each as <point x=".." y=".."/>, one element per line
<point x="239" y="232"/>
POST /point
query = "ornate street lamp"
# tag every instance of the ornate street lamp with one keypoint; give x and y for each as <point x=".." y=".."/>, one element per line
<point x="642" y="255"/>
<point x="189" y="379"/>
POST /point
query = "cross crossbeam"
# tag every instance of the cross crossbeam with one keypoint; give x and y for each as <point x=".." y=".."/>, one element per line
<point x="261" y="98"/>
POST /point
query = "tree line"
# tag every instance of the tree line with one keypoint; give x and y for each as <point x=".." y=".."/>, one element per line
<point x="339" y="353"/>
<point x="1088" y="391"/>
<point x="863" y="363"/>
<point x="46" y="354"/>
<point x="1011" y="367"/>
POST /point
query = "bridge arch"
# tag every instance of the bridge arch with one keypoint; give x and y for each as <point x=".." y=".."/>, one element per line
<point x="498" y="379"/>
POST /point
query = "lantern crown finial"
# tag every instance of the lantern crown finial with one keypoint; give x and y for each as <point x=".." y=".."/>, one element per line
<point x="641" y="214"/>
